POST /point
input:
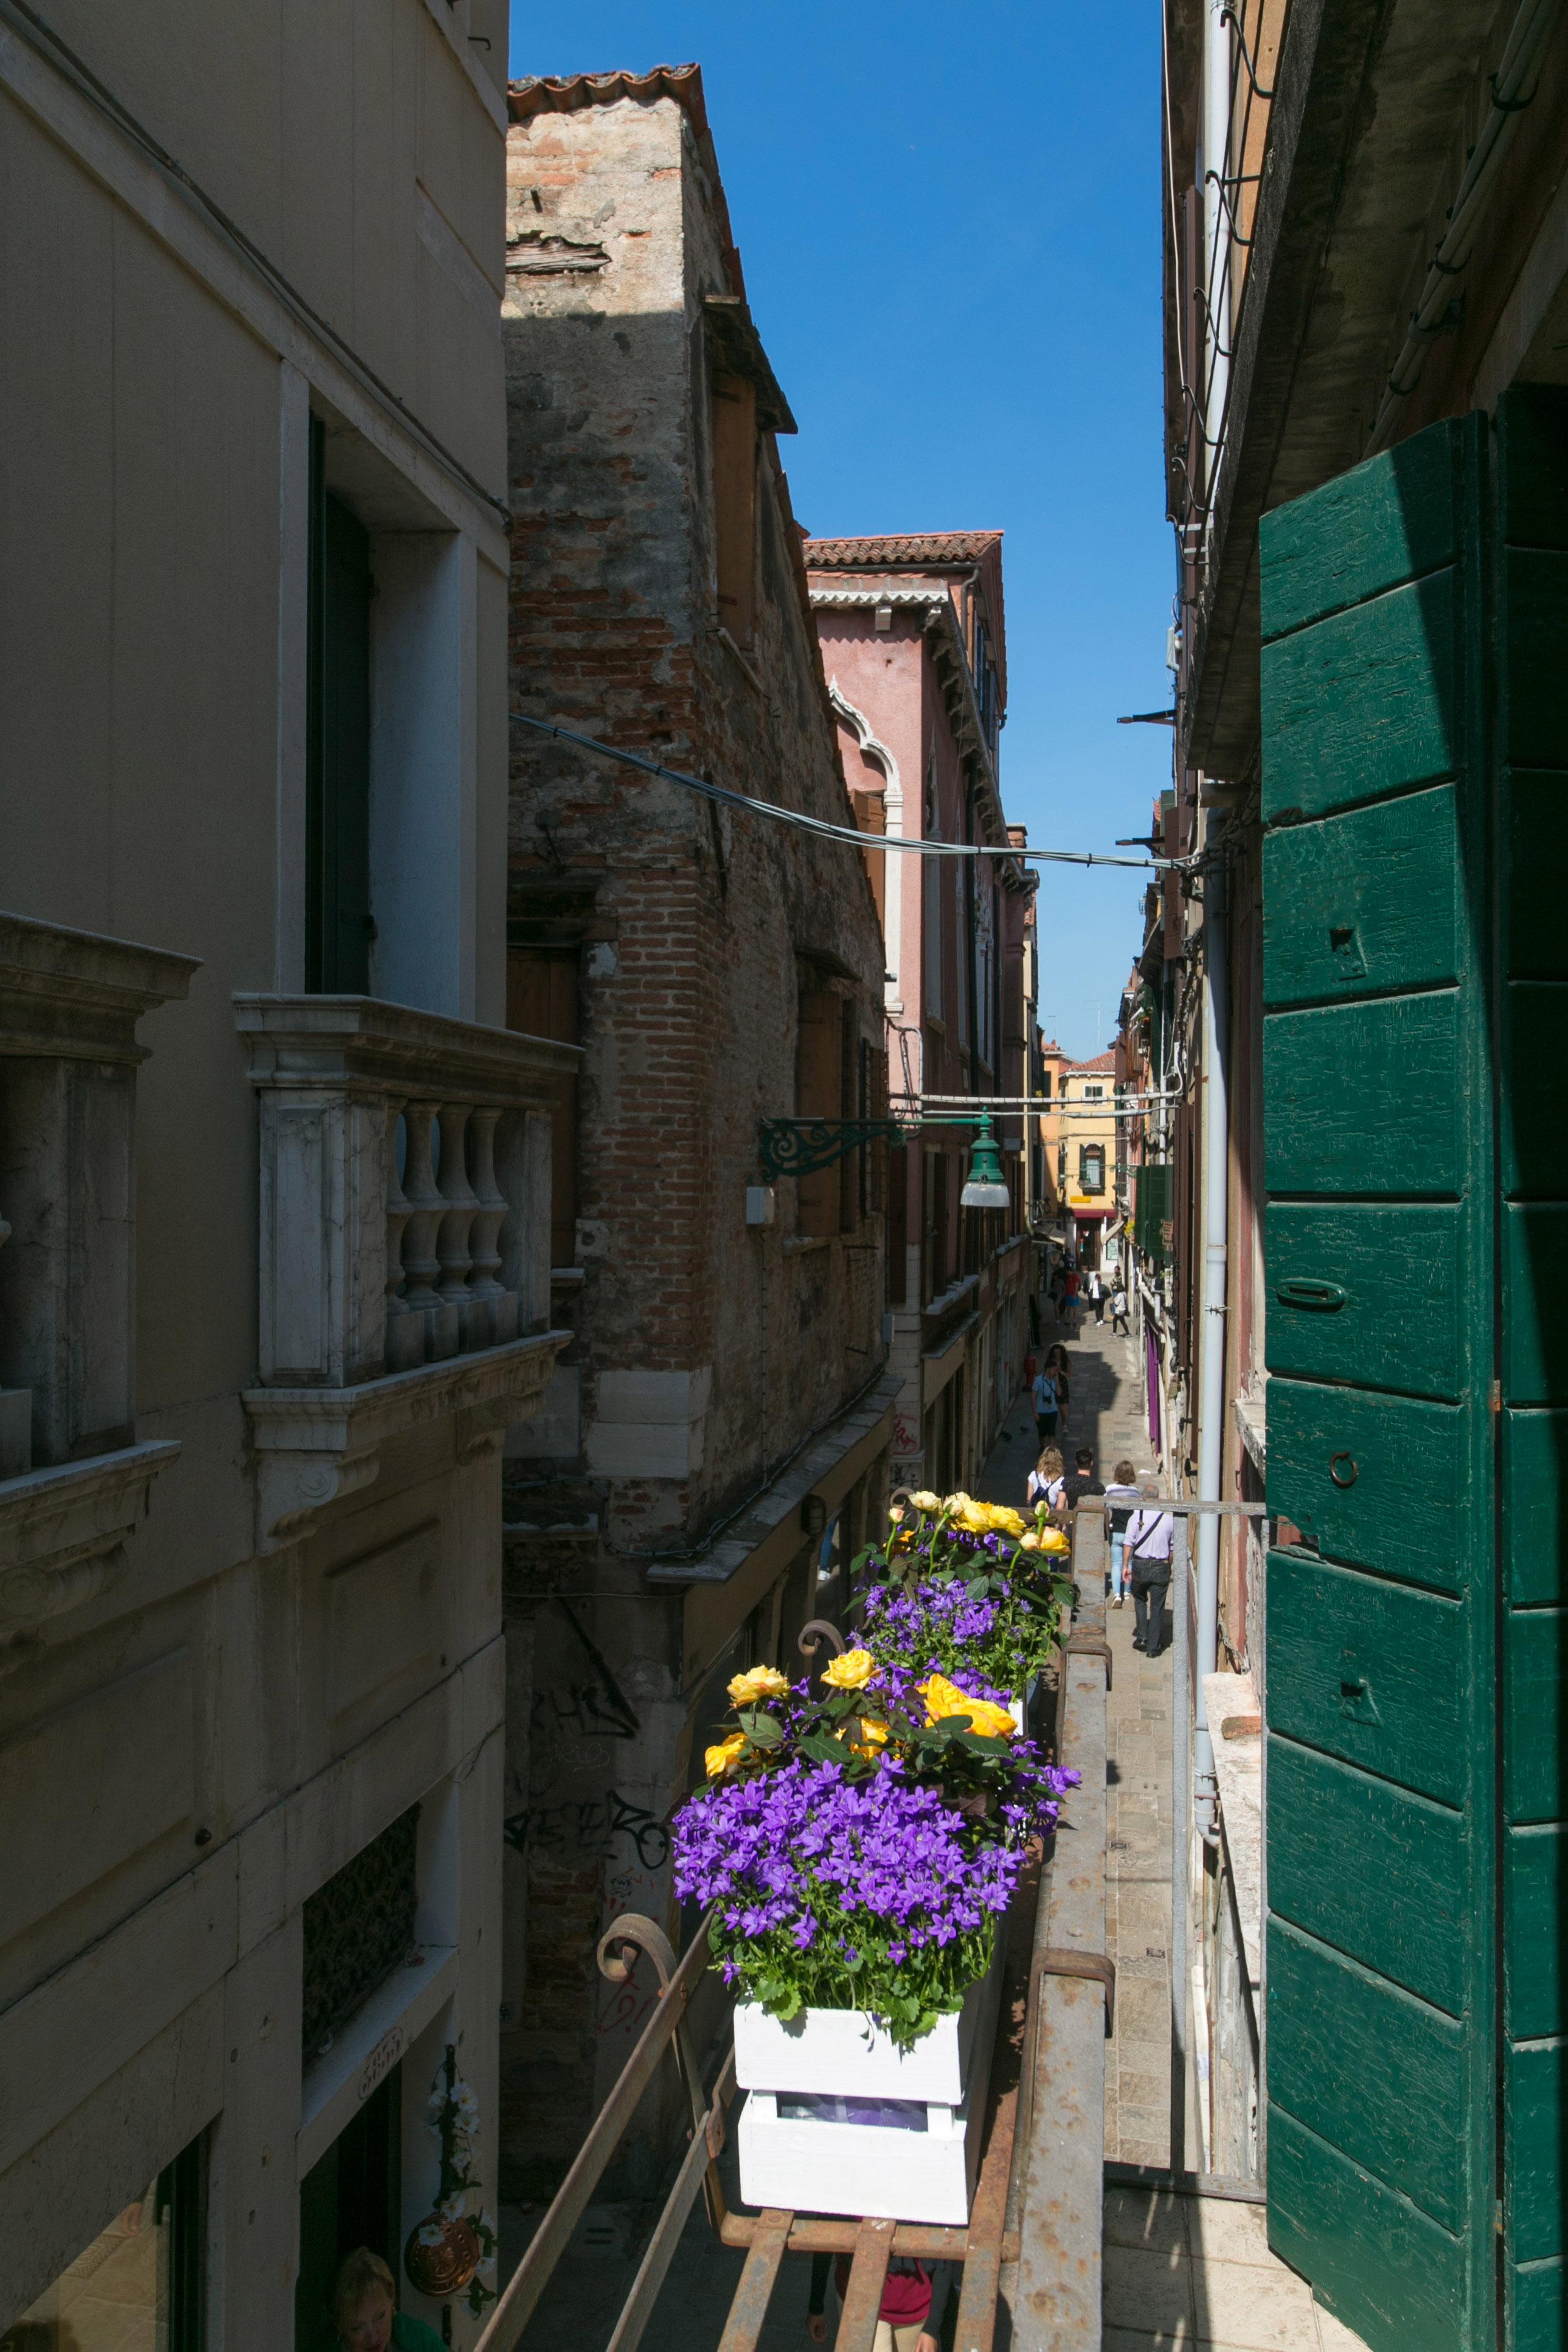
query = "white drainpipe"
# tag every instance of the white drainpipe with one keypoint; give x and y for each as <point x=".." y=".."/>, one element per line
<point x="1211" y="1402"/>
<point x="1217" y="101"/>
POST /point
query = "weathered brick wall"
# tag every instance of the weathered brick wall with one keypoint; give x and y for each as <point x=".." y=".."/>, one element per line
<point x="689" y="978"/>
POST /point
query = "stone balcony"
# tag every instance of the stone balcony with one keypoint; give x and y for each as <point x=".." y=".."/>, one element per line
<point x="405" y="1239"/>
<point x="74" y="1482"/>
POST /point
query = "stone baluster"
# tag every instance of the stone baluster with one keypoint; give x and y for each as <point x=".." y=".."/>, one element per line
<point x="452" y="1240"/>
<point x="494" y="1309"/>
<point x="404" y="1327"/>
<point x="421" y="1266"/>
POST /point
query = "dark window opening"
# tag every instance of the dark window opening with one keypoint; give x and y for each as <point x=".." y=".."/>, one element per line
<point x="351" y="2197"/>
<point x="735" y="503"/>
<point x="338" y="929"/>
<point x="359" y="1926"/>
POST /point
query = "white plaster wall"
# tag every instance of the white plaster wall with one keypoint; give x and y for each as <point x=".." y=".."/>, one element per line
<point x="178" y="1766"/>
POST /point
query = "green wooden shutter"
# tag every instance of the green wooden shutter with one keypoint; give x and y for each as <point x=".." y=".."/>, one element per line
<point x="1381" y="1849"/>
<point x="1532" y="955"/>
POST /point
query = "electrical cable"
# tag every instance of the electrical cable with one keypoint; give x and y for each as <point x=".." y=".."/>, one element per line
<point x="43" y="39"/>
<point x="824" y="830"/>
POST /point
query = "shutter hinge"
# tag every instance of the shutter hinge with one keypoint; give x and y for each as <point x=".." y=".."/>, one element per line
<point x="1497" y="1396"/>
<point x="1498" y="2217"/>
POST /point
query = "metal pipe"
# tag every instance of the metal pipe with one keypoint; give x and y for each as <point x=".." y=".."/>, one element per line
<point x="1210" y="1395"/>
<point x="1217" y="98"/>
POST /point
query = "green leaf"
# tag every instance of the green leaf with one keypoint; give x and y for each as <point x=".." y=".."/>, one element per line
<point x="821" y="1749"/>
<point x="977" y="1587"/>
<point x="763" y="1731"/>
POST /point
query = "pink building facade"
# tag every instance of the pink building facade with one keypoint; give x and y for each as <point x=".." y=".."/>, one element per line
<point x="914" y="649"/>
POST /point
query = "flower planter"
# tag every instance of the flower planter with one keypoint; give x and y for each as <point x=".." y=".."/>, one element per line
<point x="837" y="2120"/>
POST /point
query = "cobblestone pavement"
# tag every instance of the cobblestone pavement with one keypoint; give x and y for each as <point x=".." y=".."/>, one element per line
<point x="1107" y="1413"/>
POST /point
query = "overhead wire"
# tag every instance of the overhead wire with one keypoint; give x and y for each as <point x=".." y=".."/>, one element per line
<point x="823" y="829"/>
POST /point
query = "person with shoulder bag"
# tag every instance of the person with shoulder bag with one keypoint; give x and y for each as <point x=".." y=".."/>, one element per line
<point x="1122" y="1497"/>
<point x="1146" y="1562"/>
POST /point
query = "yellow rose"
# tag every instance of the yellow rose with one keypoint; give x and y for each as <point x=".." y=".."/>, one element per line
<point x="761" y="1682"/>
<point x="1053" y="1539"/>
<point x="895" y="1512"/>
<point x="853" y="1671"/>
<point x="926" y="1501"/>
<point x="943" y="1698"/>
<point x="1004" y="1521"/>
<point x="959" y="1502"/>
<point x="873" y="1735"/>
<point x="719" y="1761"/>
<point x="1029" y="1543"/>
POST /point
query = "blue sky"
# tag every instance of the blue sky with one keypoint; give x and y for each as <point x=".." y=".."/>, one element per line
<point x="949" y="221"/>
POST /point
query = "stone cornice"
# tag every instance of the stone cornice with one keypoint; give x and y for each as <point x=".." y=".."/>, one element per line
<point x="63" y="1530"/>
<point x="361" y="1043"/>
<point x="315" y="1447"/>
<point x="78" y="994"/>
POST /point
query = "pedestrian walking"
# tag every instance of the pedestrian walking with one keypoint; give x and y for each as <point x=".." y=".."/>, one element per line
<point x="915" y="2302"/>
<point x="1122" y="1497"/>
<point x="1056" y="1365"/>
<point x="1045" y="1479"/>
<point x="1097" y="1294"/>
<point x="1080" y="1479"/>
<point x="1146" y="1557"/>
<point x="1069" y="1296"/>
<point x="1118" y="1309"/>
<point x="1047" y="1407"/>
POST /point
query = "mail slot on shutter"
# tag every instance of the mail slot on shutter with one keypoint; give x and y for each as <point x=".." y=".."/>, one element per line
<point x="1365" y="1291"/>
<point x="1371" y="1481"/>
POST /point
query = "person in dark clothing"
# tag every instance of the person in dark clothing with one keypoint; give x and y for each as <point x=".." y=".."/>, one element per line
<point x="1080" y="1480"/>
<point x="1146" y="1564"/>
<point x="915" y="2302"/>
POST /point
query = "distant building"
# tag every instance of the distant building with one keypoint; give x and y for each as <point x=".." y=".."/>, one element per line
<point x="716" y="1441"/>
<point x="914" y="647"/>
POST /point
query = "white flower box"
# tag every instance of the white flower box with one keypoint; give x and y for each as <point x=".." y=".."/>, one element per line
<point x="916" y="2161"/>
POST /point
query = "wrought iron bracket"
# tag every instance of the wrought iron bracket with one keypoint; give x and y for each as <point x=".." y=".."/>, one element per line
<point x="799" y="1146"/>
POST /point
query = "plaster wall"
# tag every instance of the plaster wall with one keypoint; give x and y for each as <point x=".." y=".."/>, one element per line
<point x="203" y="1733"/>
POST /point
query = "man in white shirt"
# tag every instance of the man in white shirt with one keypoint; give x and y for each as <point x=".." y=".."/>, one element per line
<point x="1146" y="1562"/>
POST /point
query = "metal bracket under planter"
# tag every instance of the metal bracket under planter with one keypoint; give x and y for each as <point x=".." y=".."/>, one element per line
<point x="1056" y="1962"/>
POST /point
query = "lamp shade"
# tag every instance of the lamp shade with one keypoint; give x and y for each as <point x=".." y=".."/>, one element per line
<point x="985" y="1188"/>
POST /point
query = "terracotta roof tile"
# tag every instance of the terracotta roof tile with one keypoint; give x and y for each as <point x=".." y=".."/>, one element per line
<point x="1100" y="1062"/>
<point x="921" y="547"/>
<point x="565" y="93"/>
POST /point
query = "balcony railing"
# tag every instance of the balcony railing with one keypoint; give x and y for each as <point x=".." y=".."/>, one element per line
<point x="404" y="1185"/>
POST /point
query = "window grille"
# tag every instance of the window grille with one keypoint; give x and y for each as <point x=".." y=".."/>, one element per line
<point x="359" y="1926"/>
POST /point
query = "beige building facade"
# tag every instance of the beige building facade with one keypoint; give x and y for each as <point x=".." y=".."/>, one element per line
<point x="274" y="1280"/>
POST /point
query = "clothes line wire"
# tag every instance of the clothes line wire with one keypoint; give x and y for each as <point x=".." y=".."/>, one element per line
<point x="825" y="831"/>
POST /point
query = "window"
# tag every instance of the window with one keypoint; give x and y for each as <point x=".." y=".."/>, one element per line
<point x="337" y="760"/>
<point x="546" y="934"/>
<point x="359" y="1926"/>
<point x="1092" y="1168"/>
<point x="933" y="881"/>
<point x="819" y="1093"/>
<point x="735" y="503"/>
<point x="139" y="2282"/>
<point x="1094" y="1094"/>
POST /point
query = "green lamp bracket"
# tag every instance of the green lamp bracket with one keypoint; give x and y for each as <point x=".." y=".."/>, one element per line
<point x="799" y="1146"/>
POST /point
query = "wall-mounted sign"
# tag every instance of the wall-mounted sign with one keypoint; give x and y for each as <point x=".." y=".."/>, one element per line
<point x="381" y="2062"/>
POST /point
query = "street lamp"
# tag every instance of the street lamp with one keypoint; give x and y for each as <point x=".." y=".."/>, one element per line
<point x="985" y="1189"/>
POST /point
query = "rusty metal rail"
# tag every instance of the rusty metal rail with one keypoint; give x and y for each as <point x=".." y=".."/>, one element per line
<point x="1033" y="2238"/>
